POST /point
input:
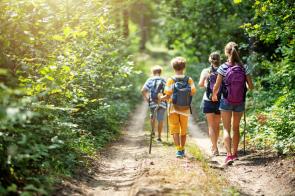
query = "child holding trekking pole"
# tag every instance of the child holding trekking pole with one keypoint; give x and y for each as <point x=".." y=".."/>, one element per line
<point x="179" y="91"/>
<point x="236" y="78"/>
<point x="151" y="90"/>
<point x="210" y="108"/>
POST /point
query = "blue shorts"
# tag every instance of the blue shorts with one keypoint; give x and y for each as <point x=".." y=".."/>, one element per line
<point x="211" y="107"/>
<point x="160" y="113"/>
<point x="224" y="106"/>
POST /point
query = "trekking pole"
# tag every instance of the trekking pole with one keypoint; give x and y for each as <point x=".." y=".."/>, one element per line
<point x="167" y="126"/>
<point x="153" y="129"/>
<point x="245" y="132"/>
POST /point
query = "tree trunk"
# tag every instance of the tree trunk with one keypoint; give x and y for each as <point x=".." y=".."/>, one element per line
<point x="125" y="23"/>
<point x="143" y="32"/>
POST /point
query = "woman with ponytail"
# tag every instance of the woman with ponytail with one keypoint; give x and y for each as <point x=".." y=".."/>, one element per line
<point x="211" y="109"/>
<point x="236" y="79"/>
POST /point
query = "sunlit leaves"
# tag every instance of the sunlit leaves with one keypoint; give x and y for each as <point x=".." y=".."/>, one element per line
<point x="237" y="1"/>
<point x="72" y="65"/>
<point x="57" y="38"/>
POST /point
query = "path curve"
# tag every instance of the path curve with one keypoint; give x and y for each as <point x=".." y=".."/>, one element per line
<point x="253" y="174"/>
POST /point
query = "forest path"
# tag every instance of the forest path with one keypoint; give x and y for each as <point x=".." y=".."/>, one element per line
<point x="125" y="168"/>
<point x="122" y="163"/>
<point x="254" y="173"/>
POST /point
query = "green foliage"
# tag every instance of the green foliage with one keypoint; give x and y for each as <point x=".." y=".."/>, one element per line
<point x="275" y="126"/>
<point x="273" y="25"/>
<point x="196" y="28"/>
<point x="273" y="20"/>
<point x="66" y="86"/>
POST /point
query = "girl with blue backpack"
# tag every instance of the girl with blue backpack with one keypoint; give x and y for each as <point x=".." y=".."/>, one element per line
<point x="235" y="78"/>
<point x="210" y="108"/>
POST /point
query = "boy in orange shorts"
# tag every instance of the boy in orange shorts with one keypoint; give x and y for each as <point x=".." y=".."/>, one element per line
<point x="179" y="90"/>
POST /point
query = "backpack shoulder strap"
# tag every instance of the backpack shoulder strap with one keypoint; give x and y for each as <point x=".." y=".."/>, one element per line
<point x="211" y="70"/>
<point x="186" y="79"/>
<point x="155" y="81"/>
<point x="174" y="79"/>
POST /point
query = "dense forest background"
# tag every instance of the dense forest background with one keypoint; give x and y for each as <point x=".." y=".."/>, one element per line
<point x="70" y="75"/>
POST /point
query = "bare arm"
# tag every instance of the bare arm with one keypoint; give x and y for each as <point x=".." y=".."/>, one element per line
<point x="216" y="87"/>
<point x="145" y="94"/>
<point x="165" y="97"/>
<point x="249" y="82"/>
<point x="203" y="78"/>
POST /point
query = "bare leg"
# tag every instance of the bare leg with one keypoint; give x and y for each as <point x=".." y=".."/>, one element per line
<point x="160" y="128"/>
<point x="236" y="130"/>
<point x="183" y="140"/>
<point x="176" y="139"/>
<point x="216" y="127"/>
<point x="211" y="130"/>
<point x="226" y="119"/>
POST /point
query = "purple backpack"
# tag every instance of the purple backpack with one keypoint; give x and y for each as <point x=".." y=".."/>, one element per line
<point x="235" y="84"/>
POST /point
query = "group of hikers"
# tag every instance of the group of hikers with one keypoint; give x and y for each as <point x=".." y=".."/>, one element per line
<point x="224" y="99"/>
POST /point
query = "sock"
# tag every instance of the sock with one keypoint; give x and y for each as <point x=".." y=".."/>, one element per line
<point x="178" y="148"/>
<point x="181" y="147"/>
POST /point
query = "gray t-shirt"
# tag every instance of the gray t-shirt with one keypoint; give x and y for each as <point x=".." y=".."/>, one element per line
<point x="223" y="69"/>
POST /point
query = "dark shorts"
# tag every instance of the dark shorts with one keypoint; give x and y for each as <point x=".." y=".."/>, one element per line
<point x="211" y="107"/>
<point x="224" y="106"/>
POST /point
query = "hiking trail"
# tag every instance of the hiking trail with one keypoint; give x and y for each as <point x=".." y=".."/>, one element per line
<point x="125" y="168"/>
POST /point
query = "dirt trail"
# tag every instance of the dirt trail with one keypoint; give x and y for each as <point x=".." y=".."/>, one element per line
<point x="254" y="173"/>
<point x="121" y="164"/>
<point x="125" y="168"/>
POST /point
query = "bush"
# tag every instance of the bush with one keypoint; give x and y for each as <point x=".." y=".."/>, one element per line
<point x="67" y="85"/>
<point x="274" y="126"/>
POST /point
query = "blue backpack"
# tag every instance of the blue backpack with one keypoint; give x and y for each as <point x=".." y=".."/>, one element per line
<point x="181" y="96"/>
<point x="157" y="87"/>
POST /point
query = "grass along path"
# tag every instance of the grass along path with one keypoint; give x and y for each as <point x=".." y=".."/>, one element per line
<point x="256" y="173"/>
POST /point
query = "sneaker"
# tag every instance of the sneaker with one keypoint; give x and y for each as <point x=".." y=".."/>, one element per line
<point x="235" y="157"/>
<point x="228" y="160"/>
<point x="215" y="152"/>
<point x="179" y="154"/>
<point x="183" y="153"/>
<point x="159" y="140"/>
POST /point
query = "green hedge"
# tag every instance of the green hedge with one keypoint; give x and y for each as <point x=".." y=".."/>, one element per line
<point x="66" y="87"/>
